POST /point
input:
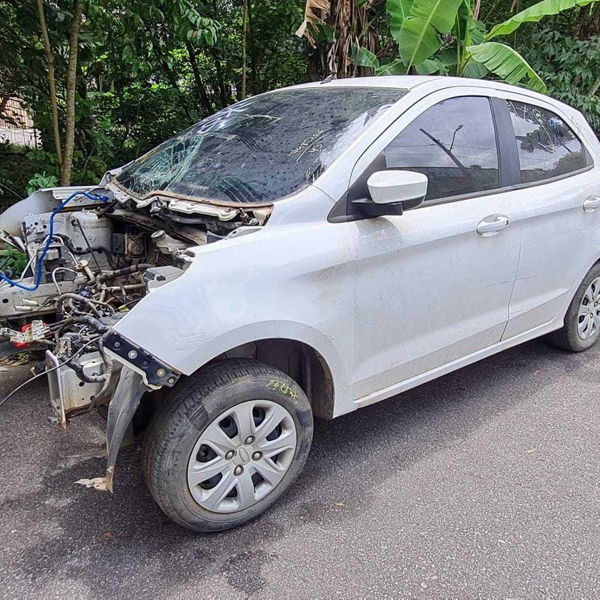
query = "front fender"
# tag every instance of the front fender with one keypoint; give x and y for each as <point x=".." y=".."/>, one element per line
<point x="290" y="282"/>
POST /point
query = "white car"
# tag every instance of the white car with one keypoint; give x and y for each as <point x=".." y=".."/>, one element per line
<point x="302" y="254"/>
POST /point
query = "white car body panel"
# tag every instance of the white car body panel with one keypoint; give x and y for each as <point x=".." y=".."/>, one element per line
<point x="455" y="296"/>
<point x="424" y="319"/>
<point x="557" y="232"/>
<point x="227" y="296"/>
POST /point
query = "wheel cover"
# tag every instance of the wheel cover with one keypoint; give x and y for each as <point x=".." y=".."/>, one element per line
<point x="588" y="317"/>
<point x="241" y="456"/>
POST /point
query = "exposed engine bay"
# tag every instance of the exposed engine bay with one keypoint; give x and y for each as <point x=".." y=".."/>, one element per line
<point x="91" y="256"/>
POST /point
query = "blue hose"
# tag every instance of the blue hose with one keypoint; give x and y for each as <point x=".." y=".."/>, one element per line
<point x="40" y="262"/>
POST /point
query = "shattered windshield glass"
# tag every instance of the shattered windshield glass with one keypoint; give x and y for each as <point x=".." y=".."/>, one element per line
<point x="261" y="149"/>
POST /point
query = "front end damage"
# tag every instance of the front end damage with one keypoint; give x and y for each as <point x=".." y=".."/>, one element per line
<point x="91" y="256"/>
<point x="118" y="376"/>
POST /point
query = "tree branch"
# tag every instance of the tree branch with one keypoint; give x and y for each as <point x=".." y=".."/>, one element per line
<point x="200" y="89"/>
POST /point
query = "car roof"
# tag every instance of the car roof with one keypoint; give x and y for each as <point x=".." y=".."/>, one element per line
<point x="405" y="82"/>
<point x="409" y="82"/>
<point x="433" y="83"/>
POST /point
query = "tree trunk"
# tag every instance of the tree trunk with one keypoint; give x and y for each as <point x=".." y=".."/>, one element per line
<point x="51" y="81"/>
<point x="201" y="95"/>
<point x="67" y="165"/>
<point x="244" y="46"/>
<point x="3" y="102"/>
<point x="589" y="22"/>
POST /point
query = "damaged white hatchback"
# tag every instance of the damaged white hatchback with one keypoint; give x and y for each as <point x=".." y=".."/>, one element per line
<point x="301" y="254"/>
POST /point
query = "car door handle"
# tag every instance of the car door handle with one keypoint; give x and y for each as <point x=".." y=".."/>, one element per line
<point x="492" y="225"/>
<point x="591" y="204"/>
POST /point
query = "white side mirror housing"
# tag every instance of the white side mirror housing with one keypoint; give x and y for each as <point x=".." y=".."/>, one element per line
<point x="393" y="186"/>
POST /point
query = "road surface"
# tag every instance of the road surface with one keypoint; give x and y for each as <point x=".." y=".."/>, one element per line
<point x="484" y="483"/>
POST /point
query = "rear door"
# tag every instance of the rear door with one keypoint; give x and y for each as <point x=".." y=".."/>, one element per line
<point x="561" y="229"/>
<point x="433" y="285"/>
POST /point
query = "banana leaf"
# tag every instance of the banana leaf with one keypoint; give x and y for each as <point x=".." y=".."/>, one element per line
<point x="419" y="37"/>
<point x="506" y="63"/>
<point x="533" y="14"/>
<point x="398" y="11"/>
<point x="366" y="58"/>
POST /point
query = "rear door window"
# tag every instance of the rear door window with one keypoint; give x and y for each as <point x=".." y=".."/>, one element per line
<point x="546" y="145"/>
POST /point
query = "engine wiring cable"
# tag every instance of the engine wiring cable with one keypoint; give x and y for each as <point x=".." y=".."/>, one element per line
<point x="46" y="371"/>
<point x="78" y="298"/>
<point x="87" y="242"/>
<point x="40" y="263"/>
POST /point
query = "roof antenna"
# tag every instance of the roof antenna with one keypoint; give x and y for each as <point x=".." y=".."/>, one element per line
<point x="329" y="78"/>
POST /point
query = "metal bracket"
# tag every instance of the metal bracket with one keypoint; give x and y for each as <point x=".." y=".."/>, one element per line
<point x="155" y="373"/>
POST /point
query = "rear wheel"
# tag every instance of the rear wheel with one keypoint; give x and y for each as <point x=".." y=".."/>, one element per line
<point x="582" y="321"/>
<point x="228" y="444"/>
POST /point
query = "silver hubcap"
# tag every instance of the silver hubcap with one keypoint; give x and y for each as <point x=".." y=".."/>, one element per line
<point x="241" y="456"/>
<point x="588" y="319"/>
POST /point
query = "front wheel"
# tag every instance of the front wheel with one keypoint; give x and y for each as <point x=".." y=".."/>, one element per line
<point x="582" y="321"/>
<point x="228" y="444"/>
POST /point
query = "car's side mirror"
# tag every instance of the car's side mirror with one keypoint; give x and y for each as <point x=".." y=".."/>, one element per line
<point x="392" y="192"/>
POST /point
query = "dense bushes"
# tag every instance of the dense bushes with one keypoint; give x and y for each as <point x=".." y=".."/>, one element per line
<point x="571" y="69"/>
<point x="149" y="68"/>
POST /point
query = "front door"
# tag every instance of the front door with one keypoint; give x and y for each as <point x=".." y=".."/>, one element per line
<point x="434" y="284"/>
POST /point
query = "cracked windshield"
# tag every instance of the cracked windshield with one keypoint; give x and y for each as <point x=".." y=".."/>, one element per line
<point x="261" y="149"/>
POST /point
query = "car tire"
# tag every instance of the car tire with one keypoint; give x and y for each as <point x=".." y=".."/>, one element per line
<point x="573" y="336"/>
<point x="205" y="428"/>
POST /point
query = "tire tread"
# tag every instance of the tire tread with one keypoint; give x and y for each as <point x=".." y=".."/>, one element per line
<point x="179" y="406"/>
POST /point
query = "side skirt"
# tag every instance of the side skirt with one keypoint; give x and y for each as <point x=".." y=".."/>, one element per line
<point x="407" y="384"/>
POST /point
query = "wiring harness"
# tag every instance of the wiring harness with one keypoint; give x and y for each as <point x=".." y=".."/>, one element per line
<point x="40" y="263"/>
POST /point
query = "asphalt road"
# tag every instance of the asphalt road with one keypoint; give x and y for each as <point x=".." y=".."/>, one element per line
<point x="483" y="484"/>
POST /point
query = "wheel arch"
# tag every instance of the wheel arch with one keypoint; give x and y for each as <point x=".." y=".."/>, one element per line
<point x="595" y="260"/>
<point x="301" y="361"/>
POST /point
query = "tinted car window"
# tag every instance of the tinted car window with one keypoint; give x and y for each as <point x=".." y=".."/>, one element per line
<point x="261" y="149"/>
<point x="546" y="145"/>
<point x="454" y="144"/>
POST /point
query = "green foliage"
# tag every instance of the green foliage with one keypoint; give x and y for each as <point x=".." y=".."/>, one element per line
<point x="507" y="63"/>
<point x="421" y="31"/>
<point x="12" y="262"/>
<point x="398" y="11"/>
<point x="533" y="14"/>
<point x="443" y="36"/>
<point x="17" y="166"/>
<point x="150" y="68"/>
<point x="147" y="69"/>
<point x="41" y="181"/>
<point x="366" y="58"/>
<point x="571" y="69"/>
